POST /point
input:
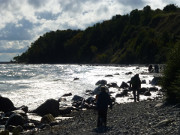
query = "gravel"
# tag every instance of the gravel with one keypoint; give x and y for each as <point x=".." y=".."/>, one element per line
<point x="137" y="118"/>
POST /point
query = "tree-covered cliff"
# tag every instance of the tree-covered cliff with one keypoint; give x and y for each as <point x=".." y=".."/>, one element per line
<point x="142" y="36"/>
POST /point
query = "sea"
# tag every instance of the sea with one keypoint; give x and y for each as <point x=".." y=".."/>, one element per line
<point x="33" y="84"/>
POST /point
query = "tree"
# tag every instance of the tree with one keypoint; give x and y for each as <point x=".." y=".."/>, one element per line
<point x="134" y="17"/>
<point x="171" y="78"/>
<point x="170" y="8"/>
<point x="146" y="15"/>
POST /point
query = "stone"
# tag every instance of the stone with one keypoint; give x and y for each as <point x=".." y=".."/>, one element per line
<point x="21" y="112"/>
<point x="62" y="99"/>
<point x="101" y="82"/>
<point x="143" y="90"/>
<point x="147" y="93"/>
<point x="49" y="106"/>
<point x="124" y="85"/>
<point x="3" y="120"/>
<point x="24" y="108"/>
<point x="143" y="82"/>
<point x="47" y="119"/>
<point x="108" y="75"/>
<point x="67" y="94"/>
<point x="97" y="90"/>
<point x="17" y="130"/>
<point x="65" y="110"/>
<point x="89" y="92"/>
<point x="6" y="132"/>
<point x="76" y="79"/>
<point x="28" y="126"/>
<point x="159" y="105"/>
<point x="54" y="123"/>
<point x="45" y="127"/>
<point x="164" y="122"/>
<point x="6" y="104"/>
<point x="153" y="89"/>
<point x="77" y="98"/>
<point x="156" y="80"/>
<point x="15" y="120"/>
<point x="128" y="73"/>
<point x="10" y="128"/>
<point x="122" y="94"/>
<point x="113" y="84"/>
<point x="90" y="100"/>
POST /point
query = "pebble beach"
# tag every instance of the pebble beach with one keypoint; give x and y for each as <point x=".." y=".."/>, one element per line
<point x="136" y="118"/>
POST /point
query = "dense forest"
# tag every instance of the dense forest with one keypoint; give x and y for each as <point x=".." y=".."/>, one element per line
<point x="140" y="37"/>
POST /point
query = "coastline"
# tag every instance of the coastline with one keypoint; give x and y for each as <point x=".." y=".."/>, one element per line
<point x="145" y="117"/>
<point x="61" y="127"/>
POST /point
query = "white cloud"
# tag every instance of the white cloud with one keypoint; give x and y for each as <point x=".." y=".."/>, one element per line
<point x="4" y="57"/>
<point x="10" y="49"/>
<point x="13" y="45"/>
<point x="23" y="21"/>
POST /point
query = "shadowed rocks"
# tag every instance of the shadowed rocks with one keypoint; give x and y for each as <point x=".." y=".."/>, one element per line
<point x="6" y="104"/>
<point x="50" y="106"/>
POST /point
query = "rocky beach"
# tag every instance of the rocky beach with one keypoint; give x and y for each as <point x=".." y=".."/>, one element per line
<point x="151" y="116"/>
<point x="146" y="117"/>
<point x="137" y="118"/>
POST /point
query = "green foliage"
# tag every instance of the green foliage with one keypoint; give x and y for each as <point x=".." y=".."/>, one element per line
<point x="171" y="79"/>
<point x="141" y="37"/>
<point x="170" y="8"/>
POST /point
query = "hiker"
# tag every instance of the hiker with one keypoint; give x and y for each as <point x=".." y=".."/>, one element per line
<point x="103" y="100"/>
<point x="135" y="85"/>
<point x="156" y="68"/>
<point x="150" y="68"/>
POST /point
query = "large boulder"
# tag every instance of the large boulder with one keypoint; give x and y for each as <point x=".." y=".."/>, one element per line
<point x="156" y="80"/>
<point x="50" y="106"/>
<point x="78" y="101"/>
<point x="97" y="90"/>
<point x="101" y="82"/>
<point x="124" y="85"/>
<point x="15" y="120"/>
<point x="6" y="104"/>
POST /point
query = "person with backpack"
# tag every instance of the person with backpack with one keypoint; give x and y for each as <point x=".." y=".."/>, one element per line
<point x="103" y="101"/>
<point x="135" y="85"/>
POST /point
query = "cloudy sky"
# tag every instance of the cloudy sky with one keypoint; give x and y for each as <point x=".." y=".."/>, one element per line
<point x="23" y="21"/>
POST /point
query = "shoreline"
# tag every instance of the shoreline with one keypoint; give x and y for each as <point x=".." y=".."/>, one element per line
<point x="85" y="114"/>
<point x="144" y="117"/>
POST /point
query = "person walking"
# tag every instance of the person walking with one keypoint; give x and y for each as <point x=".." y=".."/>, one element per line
<point x="103" y="101"/>
<point x="135" y="85"/>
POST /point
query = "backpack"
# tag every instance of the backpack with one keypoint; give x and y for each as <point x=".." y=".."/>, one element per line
<point x="136" y="83"/>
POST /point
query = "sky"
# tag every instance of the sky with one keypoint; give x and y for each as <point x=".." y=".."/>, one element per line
<point x="23" y="21"/>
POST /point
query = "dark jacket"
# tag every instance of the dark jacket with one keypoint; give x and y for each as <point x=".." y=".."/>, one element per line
<point x="103" y="100"/>
<point x="135" y="82"/>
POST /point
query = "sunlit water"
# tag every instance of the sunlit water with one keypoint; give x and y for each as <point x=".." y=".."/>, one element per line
<point x="31" y="85"/>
